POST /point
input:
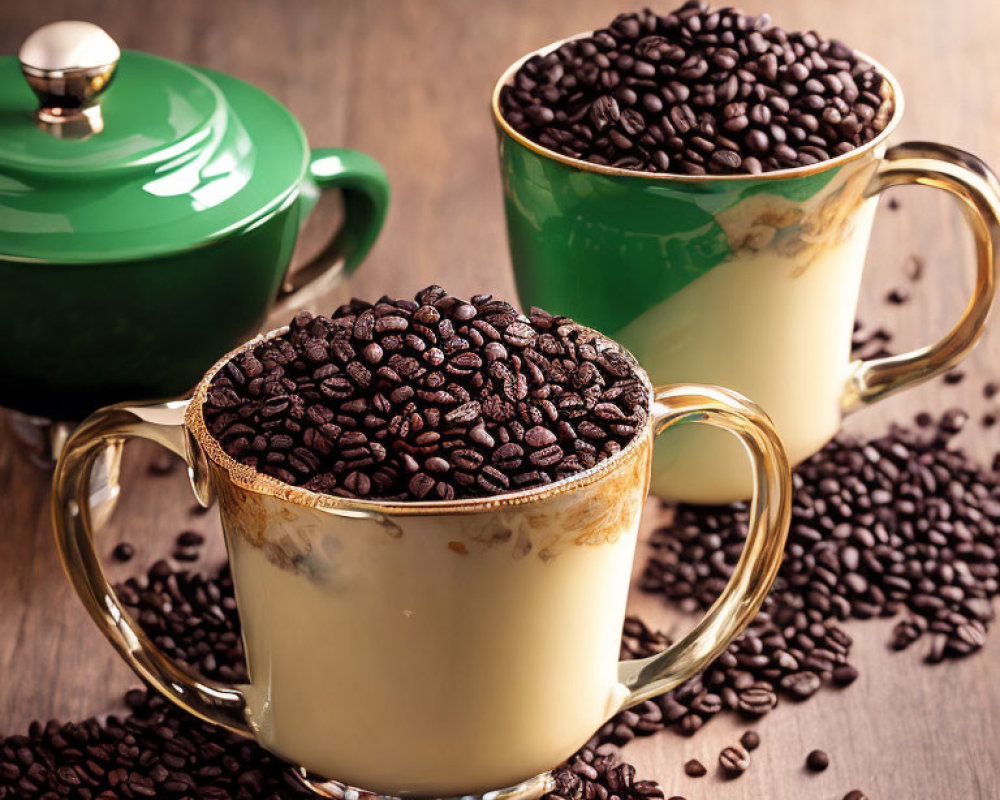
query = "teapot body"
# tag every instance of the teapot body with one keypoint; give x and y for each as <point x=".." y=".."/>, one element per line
<point x="79" y="336"/>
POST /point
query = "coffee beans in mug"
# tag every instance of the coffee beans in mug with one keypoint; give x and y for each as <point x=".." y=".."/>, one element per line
<point x="433" y="398"/>
<point x="695" y="91"/>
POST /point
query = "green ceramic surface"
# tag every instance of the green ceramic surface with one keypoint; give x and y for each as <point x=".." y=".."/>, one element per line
<point x="130" y="261"/>
<point x="604" y="248"/>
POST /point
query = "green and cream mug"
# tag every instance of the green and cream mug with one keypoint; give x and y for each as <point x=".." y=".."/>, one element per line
<point x="747" y="281"/>
<point x="428" y="648"/>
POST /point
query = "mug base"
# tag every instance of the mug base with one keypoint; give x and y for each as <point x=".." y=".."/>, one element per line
<point x="530" y="789"/>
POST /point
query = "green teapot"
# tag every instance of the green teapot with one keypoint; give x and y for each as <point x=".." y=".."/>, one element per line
<point x="148" y="212"/>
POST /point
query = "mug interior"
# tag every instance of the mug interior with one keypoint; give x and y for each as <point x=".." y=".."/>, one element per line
<point x="891" y="88"/>
<point x="251" y="480"/>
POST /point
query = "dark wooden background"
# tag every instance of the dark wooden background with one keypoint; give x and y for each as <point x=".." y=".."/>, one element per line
<point x="409" y="82"/>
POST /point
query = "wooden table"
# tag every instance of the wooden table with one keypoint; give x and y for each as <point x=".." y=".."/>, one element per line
<point x="379" y="76"/>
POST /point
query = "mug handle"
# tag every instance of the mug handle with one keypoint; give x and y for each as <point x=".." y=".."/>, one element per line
<point x="213" y="701"/>
<point x="365" y="188"/>
<point x="770" y="515"/>
<point x="969" y="179"/>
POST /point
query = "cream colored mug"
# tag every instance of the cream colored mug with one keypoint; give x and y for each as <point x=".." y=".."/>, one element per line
<point x="427" y="648"/>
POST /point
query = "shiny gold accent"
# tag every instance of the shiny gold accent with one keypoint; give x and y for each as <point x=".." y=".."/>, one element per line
<point x="894" y="94"/>
<point x="68" y="106"/>
<point x="71" y="518"/>
<point x="770" y="514"/>
<point x="970" y="180"/>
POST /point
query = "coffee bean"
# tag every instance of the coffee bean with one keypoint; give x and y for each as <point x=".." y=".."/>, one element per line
<point x="855" y="794"/>
<point x="190" y="539"/>
<point x="898" y="296"/>
<point x="695" y="769"/>
<point x="757" y="700"/>
<point x="817" y="761"/>
<point x="163" y="463"/>
<point x="123" y="552"/>
<point x="734" y="761"/>
<point x="845" y="675"/>
<point x="474" y="385"/>
<point x="750" y="740"/>
<point x="672" y="94"/>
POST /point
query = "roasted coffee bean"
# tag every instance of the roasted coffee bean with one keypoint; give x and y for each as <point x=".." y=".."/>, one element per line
<point x="855" y="794"/>
<point x="380" y="413"/>
<point x="123" y="552"/>
<point x="671" y="93"/>
<point x="734" y="761"/>
<point x="817" y="761"/>
<point x="750" y="740"/>
<point x="695" y="769"/>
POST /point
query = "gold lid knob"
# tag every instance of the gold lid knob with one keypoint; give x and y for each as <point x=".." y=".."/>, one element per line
<point x="68" y="64"/>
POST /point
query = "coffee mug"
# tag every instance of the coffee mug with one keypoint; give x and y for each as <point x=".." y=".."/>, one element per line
<point x="427" y="648"/>
<point x="747" y="281"/>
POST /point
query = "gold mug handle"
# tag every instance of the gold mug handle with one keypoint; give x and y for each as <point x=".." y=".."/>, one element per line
<point x="770" y="515"/>
<point x="969" y="179"/>
<point x="163" y="423"/>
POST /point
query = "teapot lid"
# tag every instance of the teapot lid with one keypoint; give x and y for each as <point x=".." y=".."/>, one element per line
<point x="108" y="155"/>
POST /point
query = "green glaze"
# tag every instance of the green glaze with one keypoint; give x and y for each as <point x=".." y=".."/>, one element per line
<point x="604" y="248"/>
<point x="132" y="260"/>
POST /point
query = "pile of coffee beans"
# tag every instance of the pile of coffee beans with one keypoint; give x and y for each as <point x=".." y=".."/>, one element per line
<point x="600" y="774"/>
<point x="898" y="524"/>
<point x="696" y="91"/>
<point x="427" y="399"/>
<point x="783" y="653"/>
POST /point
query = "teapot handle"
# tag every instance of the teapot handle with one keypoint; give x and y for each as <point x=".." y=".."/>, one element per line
<point x="365" y="188"/>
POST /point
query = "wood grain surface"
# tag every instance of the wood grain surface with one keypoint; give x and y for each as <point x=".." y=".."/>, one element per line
<point x="409" y="82"/>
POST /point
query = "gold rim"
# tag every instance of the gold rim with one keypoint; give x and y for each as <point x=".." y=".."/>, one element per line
<point x="896" y="98"/>
<point x="251" y="480"/>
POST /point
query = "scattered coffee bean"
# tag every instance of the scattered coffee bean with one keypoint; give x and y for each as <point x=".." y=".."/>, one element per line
<point x="893" y="204"/>
<point x="750" y="740"/>
<point x="468" y="399"/>
<point x="990" y="390"/>
<point x="162" y="463"/>
<point x="817" y="761"/>
<point x="898" y="296"/>
<point x="855" y="794"/>
<point x="123" y="552"/>
<point x="695" y="769"/>
<point x="954" y="376"/>
<point x="185" y="554"/>
<point x="695" y="91"/>
<point x="845" y="675"/>
<point x="734" y="761"/>
<point x="190" y="539"/>
<point x="913" y="268"/>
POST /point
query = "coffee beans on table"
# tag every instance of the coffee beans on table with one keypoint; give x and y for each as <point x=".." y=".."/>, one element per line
<point x="695" y="769"/>
<point x="899" y="524"/>
<point x="734" y="761"/>
<point x="750" y="740"/>
<point x="695" y="91"/>
<point x="817" y="760"/>
<point x="434" y="398"/>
